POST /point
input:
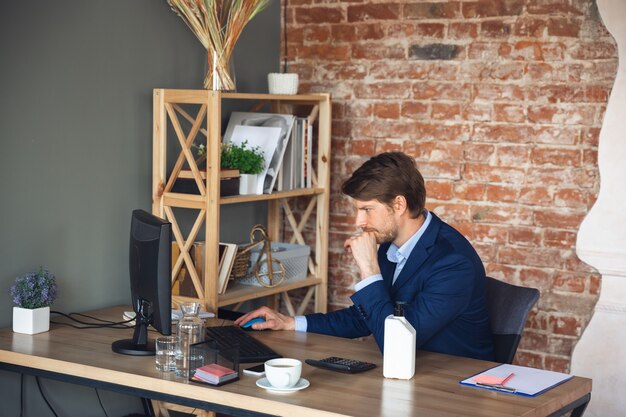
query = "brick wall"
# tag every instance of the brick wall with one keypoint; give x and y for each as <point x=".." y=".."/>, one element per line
<point x="500" y="102"/>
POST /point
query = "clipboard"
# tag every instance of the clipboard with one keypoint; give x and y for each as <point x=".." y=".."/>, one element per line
<point x="528" y="382"/>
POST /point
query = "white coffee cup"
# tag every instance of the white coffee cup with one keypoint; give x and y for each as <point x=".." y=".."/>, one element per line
<point x="283" y="372"/>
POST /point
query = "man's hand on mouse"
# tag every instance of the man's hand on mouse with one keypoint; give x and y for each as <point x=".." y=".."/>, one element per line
<point x="273" y="320"/>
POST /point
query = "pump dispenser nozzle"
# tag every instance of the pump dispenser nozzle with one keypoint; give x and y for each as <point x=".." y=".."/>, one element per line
<point x="398" y="311"/>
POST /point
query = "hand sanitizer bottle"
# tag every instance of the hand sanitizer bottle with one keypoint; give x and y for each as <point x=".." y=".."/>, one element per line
<point x="399" y="350"/>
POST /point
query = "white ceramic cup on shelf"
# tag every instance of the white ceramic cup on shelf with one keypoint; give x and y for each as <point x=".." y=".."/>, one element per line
<point x="280" y="83"/>
<point x="283" y="372"/>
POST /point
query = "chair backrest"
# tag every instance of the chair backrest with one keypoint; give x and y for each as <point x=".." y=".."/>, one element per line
<point x="508" y="307"/>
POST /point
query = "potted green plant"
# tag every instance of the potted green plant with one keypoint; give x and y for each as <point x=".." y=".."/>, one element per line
<point x="32" y="295"/>
<point x="249" y="161"/>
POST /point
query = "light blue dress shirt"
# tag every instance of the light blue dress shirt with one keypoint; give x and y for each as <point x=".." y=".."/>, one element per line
<point x="395" y="254"/>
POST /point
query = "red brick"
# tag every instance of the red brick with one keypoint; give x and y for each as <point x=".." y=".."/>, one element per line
<point x="499" y="193"/>
<point x="570" y="326"/>
<point x="390" y="145"/>
<point x="566" y="27"/>
<point x="462" y="30"/>
<point x="316" y="34"/>
<point x="343" y="33"/>
<point x="319" y="15"/>
<point x="478" y="152"/>
<point x="491" y="8"/>
<point x="451" y="212"/>
<point x="477" y="112"/>
<point x="533" y="360"/>
<point x="334" y="53"/>
<point x="501" y="214"/>
<point x="554" y="7"/>
<point x="539" y="278"/>
<point x="469" y="191"/>
<point x="556" y="156"/>
<point x="594" y="284"/>
<point x="440" y="91"/>
<point x="446" y="111"/>
<point x="513" y="113"/>
<point x="439" y="190"/>
<point x="495" y="29"/>
<point x="593" y="50"/>
<point x="559" y="238"/>
<point x="384" y="91"/>
<point x="363" y="147"/>
<point x="561" y="345"/>
<point x="529" y="26"/>
<point x="525" y="236"/>
<point x="557" y="364"/>
<point x="419" y="31"/>
<point x="487" y="173"/>
<point x="572" y="198"/>
<point x="360" y="13"/>
<point x="414" y="110"/>
<point x="501" y="272"/>
<point x="569" y="282"/>
<point x="436" y="151"/>
<point x="501" y="133"/>
<point x="534" y="341"/>
<point x="387" y="110"/>
<point x="447" y="10"/>
<point x="377" y="51"/>
<point x="562" y="219"/>
<point x="512" y="155"/>
<point x="370" y="32"/>
<point x="536" y="196"/>
<point x="441" y="170"/>
<point x="530" y="256"/>
<point x="490" y="233"/>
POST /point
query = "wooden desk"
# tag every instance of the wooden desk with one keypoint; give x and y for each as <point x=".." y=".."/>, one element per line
<point x="85" y="357"/>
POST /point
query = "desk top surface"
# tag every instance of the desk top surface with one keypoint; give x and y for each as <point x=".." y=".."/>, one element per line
<point x="433" y="391"/>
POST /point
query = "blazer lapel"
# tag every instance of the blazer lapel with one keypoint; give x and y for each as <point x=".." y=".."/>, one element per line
<point x="419" y="254"/>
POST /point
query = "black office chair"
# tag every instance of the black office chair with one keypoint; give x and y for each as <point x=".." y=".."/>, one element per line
<point x="508" y="307"/>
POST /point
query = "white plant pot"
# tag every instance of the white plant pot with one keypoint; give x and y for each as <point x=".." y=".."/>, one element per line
<point x="31" y="321"/>
<point x="282" y="83"/>
<point x="247" y="184"/>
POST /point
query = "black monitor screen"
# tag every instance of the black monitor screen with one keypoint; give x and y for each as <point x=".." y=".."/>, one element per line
<point x="150" y="266"/>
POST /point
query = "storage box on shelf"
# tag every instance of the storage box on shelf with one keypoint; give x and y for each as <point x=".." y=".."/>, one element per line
<point x="181" y="116"/>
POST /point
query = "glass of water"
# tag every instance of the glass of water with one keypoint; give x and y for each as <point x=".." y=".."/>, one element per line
<point x="166" y="352"/>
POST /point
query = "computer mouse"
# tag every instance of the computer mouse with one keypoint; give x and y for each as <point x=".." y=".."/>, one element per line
<point x="249" y="323"/>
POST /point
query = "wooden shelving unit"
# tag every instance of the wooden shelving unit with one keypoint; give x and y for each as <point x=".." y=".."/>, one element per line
<point x="201" y="112"/>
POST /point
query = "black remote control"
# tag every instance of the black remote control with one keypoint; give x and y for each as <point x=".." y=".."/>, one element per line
<point x="333" y="363"/>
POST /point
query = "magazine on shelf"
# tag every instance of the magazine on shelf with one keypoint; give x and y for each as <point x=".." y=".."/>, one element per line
<point x="284" y="122"/>
<point x="227" y="253"/>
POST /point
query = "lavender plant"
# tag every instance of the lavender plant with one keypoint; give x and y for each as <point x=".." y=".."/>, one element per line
<point x="34" y="290"/>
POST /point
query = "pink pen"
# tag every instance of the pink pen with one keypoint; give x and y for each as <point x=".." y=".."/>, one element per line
<point x="505" y="380"/>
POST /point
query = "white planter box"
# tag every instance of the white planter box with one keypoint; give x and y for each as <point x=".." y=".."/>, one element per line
<point x="31" y="321"/>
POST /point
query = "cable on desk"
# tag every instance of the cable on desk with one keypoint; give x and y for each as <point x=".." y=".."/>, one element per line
<point x="91" y="325"/>
<point x="100" y="401"/>
<point x="44" y="397"/>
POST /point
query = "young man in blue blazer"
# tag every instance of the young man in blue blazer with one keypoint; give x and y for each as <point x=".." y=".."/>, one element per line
<point x="403" y="253"/>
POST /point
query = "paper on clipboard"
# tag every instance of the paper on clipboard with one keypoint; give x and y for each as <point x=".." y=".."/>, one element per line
<point x="526" y="381"/>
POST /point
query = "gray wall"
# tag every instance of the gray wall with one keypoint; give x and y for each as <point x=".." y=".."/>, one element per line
<point x="76" y="80"/>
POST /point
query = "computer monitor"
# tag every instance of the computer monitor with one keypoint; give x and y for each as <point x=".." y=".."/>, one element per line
<point x="150" y="267"/>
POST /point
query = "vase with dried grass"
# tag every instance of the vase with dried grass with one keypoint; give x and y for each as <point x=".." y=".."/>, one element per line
<point x="218" y="24"/>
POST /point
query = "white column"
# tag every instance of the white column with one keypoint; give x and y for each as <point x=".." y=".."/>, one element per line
<point x="601" y="352"/>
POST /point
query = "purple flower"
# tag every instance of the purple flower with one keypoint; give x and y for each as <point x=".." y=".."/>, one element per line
<point x="34" y="289"/>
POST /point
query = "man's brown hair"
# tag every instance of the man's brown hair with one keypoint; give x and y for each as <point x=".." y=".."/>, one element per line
<point x="385" y="176"/>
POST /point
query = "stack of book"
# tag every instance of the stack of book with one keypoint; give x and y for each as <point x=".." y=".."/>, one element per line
<point x="214" y="374"/>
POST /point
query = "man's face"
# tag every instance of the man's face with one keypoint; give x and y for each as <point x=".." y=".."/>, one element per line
<point x="374" y="216"/>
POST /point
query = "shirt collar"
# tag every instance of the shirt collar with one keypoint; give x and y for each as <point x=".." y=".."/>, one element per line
<point x="397" y="254"/>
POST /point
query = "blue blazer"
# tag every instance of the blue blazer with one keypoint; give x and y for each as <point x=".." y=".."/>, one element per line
<point x="443" y="282"/>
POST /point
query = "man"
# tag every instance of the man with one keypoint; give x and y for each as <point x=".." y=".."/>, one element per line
<point x="421" y="261"/>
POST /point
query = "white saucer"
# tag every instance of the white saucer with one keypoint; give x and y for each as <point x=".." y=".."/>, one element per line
<point x="264" y="383"/>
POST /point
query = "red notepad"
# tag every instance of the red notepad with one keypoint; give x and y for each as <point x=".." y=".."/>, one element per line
<point x="214" y="374"/>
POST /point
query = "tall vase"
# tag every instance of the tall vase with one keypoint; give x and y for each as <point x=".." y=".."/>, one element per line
<point x="221" y="72"/>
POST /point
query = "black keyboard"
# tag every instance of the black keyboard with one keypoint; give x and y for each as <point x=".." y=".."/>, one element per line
<point x="333" y="363"/>
<point x="250" y="349"/>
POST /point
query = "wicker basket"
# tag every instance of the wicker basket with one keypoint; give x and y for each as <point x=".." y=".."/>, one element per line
<point x="242" y="260"/>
